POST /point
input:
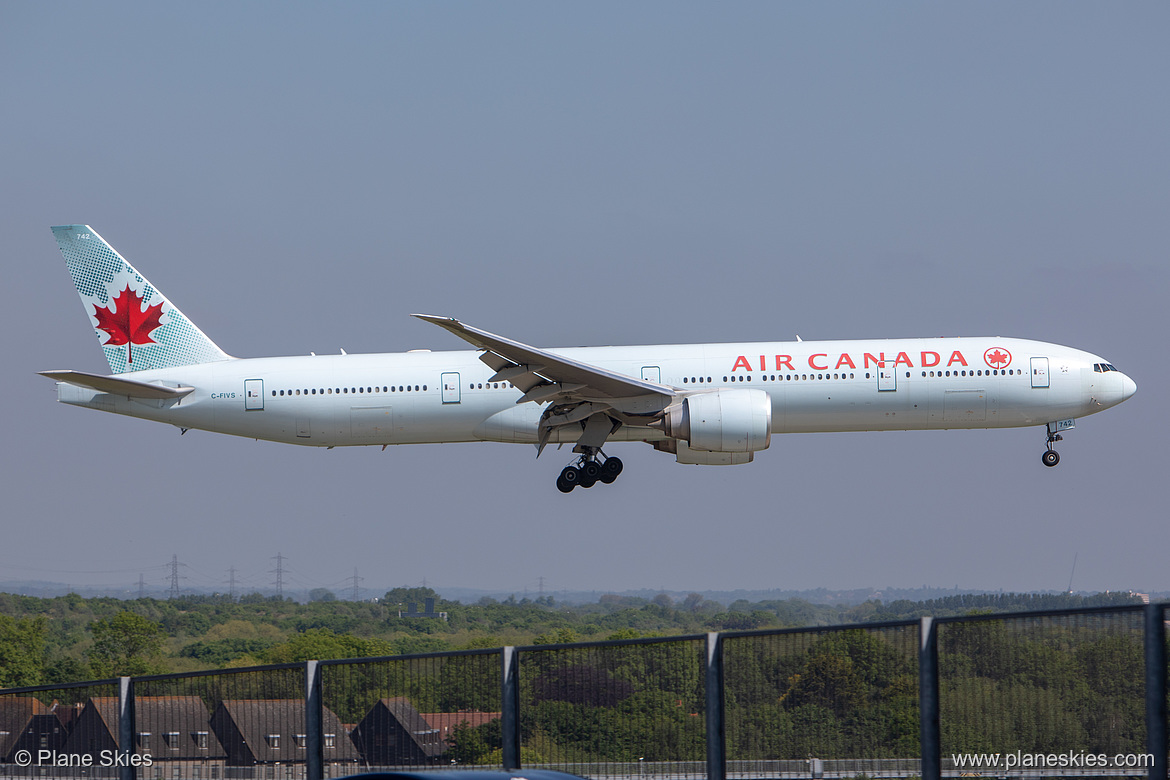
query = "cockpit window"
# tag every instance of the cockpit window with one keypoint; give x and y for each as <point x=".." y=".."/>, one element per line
<point x="1110" y="366"/>
<point x="1101" y="368"/>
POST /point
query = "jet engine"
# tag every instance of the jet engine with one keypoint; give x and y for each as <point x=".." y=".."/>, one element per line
<point x="722" y="420"/>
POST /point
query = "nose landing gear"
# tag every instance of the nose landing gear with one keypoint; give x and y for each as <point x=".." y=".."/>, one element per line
<point x="1051" y="457"/>
<point x="587" y="471"/>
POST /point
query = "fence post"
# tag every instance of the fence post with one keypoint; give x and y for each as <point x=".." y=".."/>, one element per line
<point x="126" y="726"/>
<point x="314" y="739"/>
<point x="510" y="710"/>
<point x="1155" y="636"/>
<point x="928" y="726"/>
<point x="716" y="734"/>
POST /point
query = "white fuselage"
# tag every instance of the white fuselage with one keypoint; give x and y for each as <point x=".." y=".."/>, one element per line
<point x="417" y="397"/>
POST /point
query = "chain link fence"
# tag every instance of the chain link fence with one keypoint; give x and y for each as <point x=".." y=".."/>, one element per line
<point x="795" y="697"/>
<point x="1042" y="684"/>
<point x="614" y="709"/>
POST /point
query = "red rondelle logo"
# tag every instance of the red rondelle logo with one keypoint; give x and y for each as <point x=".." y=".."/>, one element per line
<point x="997" y="357"/>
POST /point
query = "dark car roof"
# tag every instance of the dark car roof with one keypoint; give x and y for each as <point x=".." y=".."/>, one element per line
<point x="471" y="774"/>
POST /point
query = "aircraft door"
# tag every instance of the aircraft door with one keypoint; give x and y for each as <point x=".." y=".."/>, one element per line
<point x="887" y="378"/>
<point x="253" y="395"/>
<point x="450" y="384"/>
<point x="1039" y="372"/>
<point x="652" y="374"/>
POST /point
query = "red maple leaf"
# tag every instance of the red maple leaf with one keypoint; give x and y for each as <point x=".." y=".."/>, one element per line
<point x="128" y="323"/>
<point x="997" y="358"/>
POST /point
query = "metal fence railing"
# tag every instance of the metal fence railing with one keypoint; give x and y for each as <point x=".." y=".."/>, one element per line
<point x="1039" y="694"/>
<point x="841" y="694"/>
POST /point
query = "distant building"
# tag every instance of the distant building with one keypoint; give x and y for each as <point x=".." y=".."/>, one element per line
<point x="270" y="737"/>
<point x="446" y="722"/>
<point x="172" y="730"/>
<point x="27" y="724"/>
<point x="428" y="611"/>
<point x="95" y="730"/>
<point x="393" y="733"/>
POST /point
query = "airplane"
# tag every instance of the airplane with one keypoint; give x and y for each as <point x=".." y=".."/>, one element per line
<point x="706" y="404"/>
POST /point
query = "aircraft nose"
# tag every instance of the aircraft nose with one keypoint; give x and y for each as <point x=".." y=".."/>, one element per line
<point x="1128" y="387"/>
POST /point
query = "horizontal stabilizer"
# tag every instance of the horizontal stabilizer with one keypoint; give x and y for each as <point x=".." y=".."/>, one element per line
<point x="117" y="386"/>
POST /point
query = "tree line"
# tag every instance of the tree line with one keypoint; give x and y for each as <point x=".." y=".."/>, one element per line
<point x="70" y="638"/>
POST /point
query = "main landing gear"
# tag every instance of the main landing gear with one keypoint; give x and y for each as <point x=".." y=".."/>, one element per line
<point x="587" y="471"/>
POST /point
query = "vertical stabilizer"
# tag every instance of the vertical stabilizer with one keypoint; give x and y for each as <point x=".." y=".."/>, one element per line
<point x="137" y="326"/>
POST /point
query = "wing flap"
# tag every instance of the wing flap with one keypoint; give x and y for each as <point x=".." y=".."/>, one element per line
<point x="116" y="385"/>
<point x="593" y="400"/>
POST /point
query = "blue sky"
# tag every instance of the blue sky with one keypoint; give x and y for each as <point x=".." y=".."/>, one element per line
<point x="301" y="177"/>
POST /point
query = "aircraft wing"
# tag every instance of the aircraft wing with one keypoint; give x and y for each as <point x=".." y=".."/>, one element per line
<point x="595" y="399"/>
<point x="542" y="370"/>
<point x="117" y="385"/>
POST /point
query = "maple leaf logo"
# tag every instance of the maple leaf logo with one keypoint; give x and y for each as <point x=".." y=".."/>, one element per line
<point x="128" y="323"/>
<point x="997" y="358"/>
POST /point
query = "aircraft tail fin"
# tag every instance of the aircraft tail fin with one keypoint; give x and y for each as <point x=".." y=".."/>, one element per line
<point x="138" y="327"/>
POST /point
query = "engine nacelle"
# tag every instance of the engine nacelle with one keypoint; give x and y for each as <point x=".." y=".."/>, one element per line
<point x="723" y="421"/>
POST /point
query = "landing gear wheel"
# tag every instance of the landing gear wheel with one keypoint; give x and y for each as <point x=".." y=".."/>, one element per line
<point x="1051" y="458"/>
<point x="610" y="470"/>
<point x="590" y="470"/>
<point x="570" y="477"/>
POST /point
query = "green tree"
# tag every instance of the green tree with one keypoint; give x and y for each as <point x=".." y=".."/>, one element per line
<point x="22" y="651"/>
<point x="126" y="644"/>
<point x="319" y="644"/>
